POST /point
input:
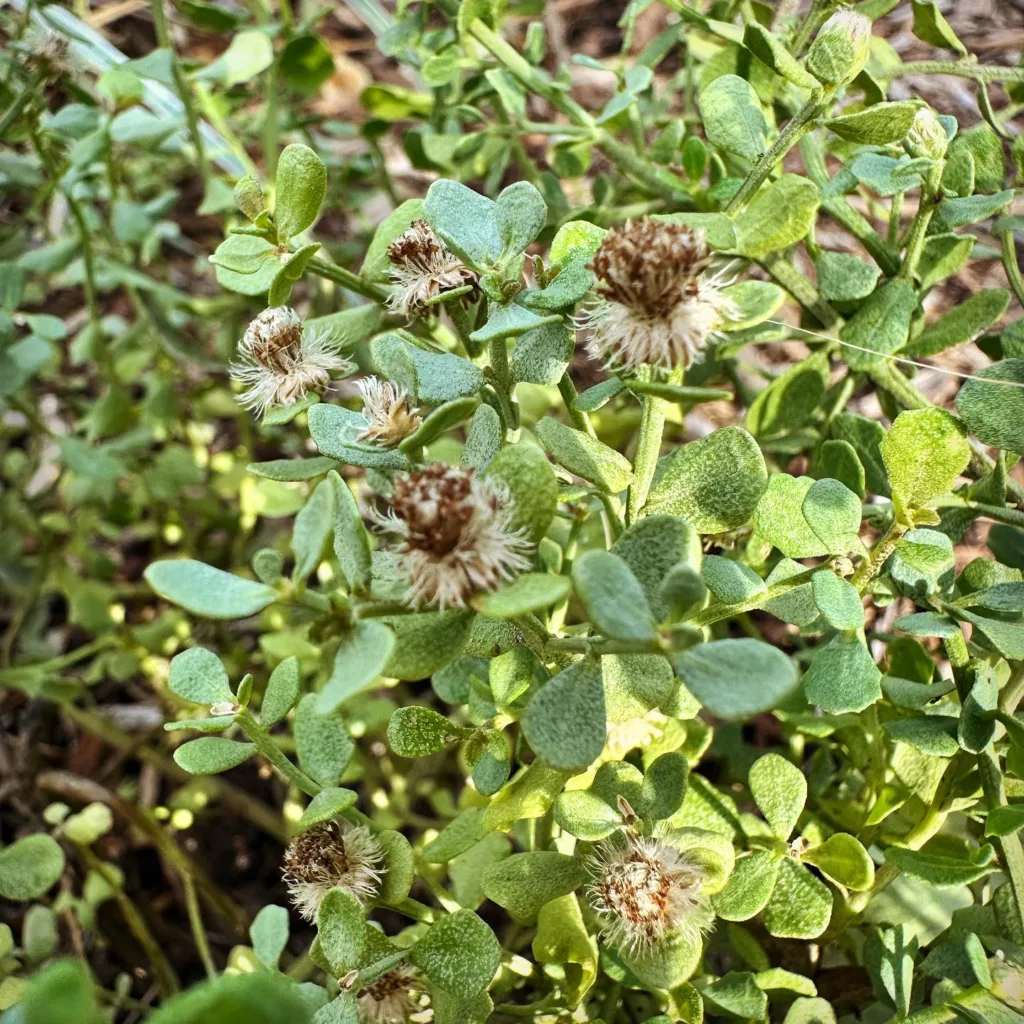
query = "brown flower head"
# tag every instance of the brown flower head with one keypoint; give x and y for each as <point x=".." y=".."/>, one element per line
<point x="423" y="269"/>
<point x="329" y="856"/>
<point x="389" y="418"/>
<point x="281" y="362"/>
<point x="658" y="306"/>
<point x="456" y="532"/>
<point x="391" y="999"/>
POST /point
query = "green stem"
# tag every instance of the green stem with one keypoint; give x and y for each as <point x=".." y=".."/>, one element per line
<point x="974" y="996"/>
<point x="930" y="193"/>
<point x="353" y="282"/>
<point x="800" y="288"/>
<point x="652" y="176"/>
<point x="265" y="744"/>
<point x="195" y="920"/>
<point x="796" y="127"/>
<point x="580" y="419"/>
<point x="652" y="428"/>
<point x="1010" y="852"/>
<point x="1000" y="514"/>
<point x="872" y="565"/>
<point x="959" y="68"/>
<point x="12" y="113"/>
<point x="720" y="612"/>
<point x="1011" y="266"/>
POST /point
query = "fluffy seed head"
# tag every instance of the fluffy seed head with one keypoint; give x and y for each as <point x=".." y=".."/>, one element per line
<point x="281" y="362"/>
<point x="328" y="856"/>
<point x="387" y="411"/>
<point x="841" y="48"/>
<point x="456" y="532"/>
<point x="644" y="890"/>
<point x="423" y="269"/>
<point x="391" y="998"/>
<point x="658" y="306"/>
<point x="49" y="56"/>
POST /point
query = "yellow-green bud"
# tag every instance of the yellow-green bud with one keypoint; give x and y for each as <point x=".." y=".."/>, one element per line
<point x="927" y="137"/>
<point x="249" y="197"/>
<point x="841" y="48"/>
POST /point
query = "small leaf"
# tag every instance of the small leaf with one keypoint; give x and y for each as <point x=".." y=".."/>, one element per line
<point x="211" y="754"/>
<point x="842" y="677"/>
<point x="732" y="116"/>
<point x="311" y="530"/>
<point x="924" y="453"/>
<point x="418" y="732"/>
<point x="779" y="517"/>
<point x="940" y="871"/>
<point x="524" y="882"/>
<point x="269" y="935"/>
<point x="30" y="866"/>
<point x="530" y="592"/>
<point x="323" y="745"/>
<point x="532" y="485"/>
<point x="800" y="906"/>
<point x="426" y="642"/>
<point x="206" y="591"/>
<point x="877" y="125"/>
<point x="737" y="994"/>
<point x="1004" y="821"/>
<point x="585" y="456"/>
<point x="351" y="541"/>
<point x="843" y="859"/>
<point x="327" y="805"/>
<point x="585" y="815"/>
<point x="837" y="600"/>
<point x="459" y="954"/>
<point x="749" y="887"/>
<point x="301" y="185"/>
<point x="565" y="720"/>
<point x="780" y="790"/>
<point x="341" y="929"/>
<point x="613" y="597"/>
<point x="282" y="692"/>
<point x="994" y="412"/>
<point x="519" y="215"/>
<point x="197" y="675"/>
<point x="465" y="221"/>
<point x="562" y="938"/>
<point x="664" y="786"/>
<point x="778" y="216"/>
<point x="934" y="735"/>
<point x="361" y="658"/>
<point x="833" y="512"/>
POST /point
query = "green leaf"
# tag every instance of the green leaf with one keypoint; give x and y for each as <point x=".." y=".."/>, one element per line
<point x="889" y="957"/>
<point x="881" y="324"/>
<point x="361" y="658"/>
<point x="844" y="860"/>
<point x="843" y="277"/>
<point x="800" y="906"/>
<point x="736" y="679"/>
<point x="770" y="50"/>
<point x="714" y="483"/>
<point x="837" y="600"/>
<point x="932" y="27"/>
<point x="511" y="321"/>
<point x="281" y="693"/>
<point x="206" y="591"/>
<point x="877" y="125"/>
<point x="398" y="868"/>
<point x="376" y="263"/>
<point x="961" y="324"/>
<point x="838" y="460"/>
<point x="562" y="938"/>
<point x="994" y="412"/>
<point x="737" y="994"/>
<point x="249" y="53"/>
<point x="465" y="221"/>
<point x="532" y="485"/>
<point x="30" y="866"/>
<point x="211" y="754"/>
<point x="269" y="935"/>
<point x="934" y="735"/>
<point x="426" y="641"/>
<point x="292" y="469"/>
<point x="312" y="527"/>
<point x="323" y="745"/>
<point x="327" y="805"/>
<point x="664" y="786"/>
<point x="483" y="439"/>
<point x="778" y="216"/>
<point x="440" y="376"/>
<point x="731" y="582"/>
<point x="667" y="964"/>
<point x="922" y="564"/>
<point x="351" y="541"/>
<point x="941" y="871"/>
<point x="459" y="954"/>
<point x="717" y="227"/>
<point x="585" y="815"/>
<point x="906" y="693"/>
<point x="531" y="592"/>
<point x="1004" y="821"/>
<point x="955" y="213"/>
<point x="865" y="437"/>
<point x="780" y="791"/>
<point x="519" y="215"/>
<point x="585" y="456"/>
<point x="1006" y="637"/>
<point x="197" y="675"/>
<point x="842" y="677"/>
<point x="810" y="1011"/>
<point x="779" y="517"/>
<point x="924" y="453"/>
<point x="655" y="547"/>
<point x="542" y="354"/>
<point x="512" y="673"/>
<point x="833" y="512"/>
<point x="791" y="399"/>
<point x="280" y="290"/>
<point x="524" y="882"/>
<point x="732" y="117"/>
<point x="300" y="186"/>
<point x="612" y="595"/>
<point x="341" y="929"/>
<point x="976" y="727"/>
<point x="565" y="721"/>
<point x="927" y="624"/>
<point x="749" y="887"/>
<point x="459" y="835"/>
<point x="418" y="732"/>
<point x="752" y="303"/>
<point x="62" y="992"/>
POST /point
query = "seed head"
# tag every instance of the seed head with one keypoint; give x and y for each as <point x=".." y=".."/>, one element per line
<point x="658" y="306"/>
<point x="841" y="48"/>
<point x="329" y="856"/>
<point x="644" y="890"/>
<point x="281" y="362"/>
<point x="456" y="532"/>
<point x="391" y="998"/>
<point x="388" y="415"/>
<point x="423" y="269"/>
<point x="49" y="57"/>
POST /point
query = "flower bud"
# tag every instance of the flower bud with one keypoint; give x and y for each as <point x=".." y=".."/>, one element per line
<point x="249" y="197"/>
<point x="841" y="48"/>
<point x="927" y="137"/>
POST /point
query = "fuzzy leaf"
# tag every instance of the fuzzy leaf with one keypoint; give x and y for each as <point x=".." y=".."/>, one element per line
<point x="585" y="456"/>
<point x="800" y="906"/>
<point x="843" y="859"/>
<point x="842" y="677"/>
<point x="924" y="453"/>
<point x="418" y="732"/>
<point x="281" y="693"/>
<point x="206" y="591"/>
<point x="211" y="754"/>
<point x="360" y="659"/>
<point x="994" y="412"/>
<point x="29" y="866"/>
<point x="780" y="790"/>
<point x="524" y="882"/>
<point x="612" y="595"/>
<point x="301" y="185"/>
<point x="565" y="720"/>
<point x="197" y="675"/>
<point x="459" y="954"/>
<point x="323" y="745"/>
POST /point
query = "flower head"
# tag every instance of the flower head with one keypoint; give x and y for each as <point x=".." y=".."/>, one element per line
<point x="281" y="362"/>
<point x="388" y="415"/>
<point x="49" y="56"/>
<point x="644" y="890"/>
<point x="841" y="48"/>
<point x="391" y="998"/>
<point x="659" y="307"/>
<point x="457" y="537"/>
<point x="423" y="269"/>
<point x="328" y="856"/>
<point x="927" y="137"/>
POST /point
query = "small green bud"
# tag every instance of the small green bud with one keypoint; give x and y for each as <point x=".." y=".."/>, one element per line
<point x="249" y="197"/>
<point x="927" y="137"/>
<point x="841" y="48"/>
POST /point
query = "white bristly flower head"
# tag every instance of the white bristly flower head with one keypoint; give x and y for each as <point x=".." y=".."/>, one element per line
<point x="841" y="48"/>
<point x="457" y="538"/>
<point x="280" y="362"/>
<point x="644" y="890"/>
<point x="423" y="268"/>
<point x="391" y="999"/>
<point x="659" y="307"/>
<point x="328" y="856"/>
<point x="388" y="414"/>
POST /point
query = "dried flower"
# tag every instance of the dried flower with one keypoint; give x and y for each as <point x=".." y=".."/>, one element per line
<point x="644" y="890"/>
<point x="841" y="48"/>
<point x="281" y="362"/>
<point x="387" y="411"/>
<point x="328" y="856"/>
<point x="659" y="307"/>
<point x="456" y="532"/>
<point x="49" y="57"/>
<point x="423" y="269"/>
<point x="391" y="999"/>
